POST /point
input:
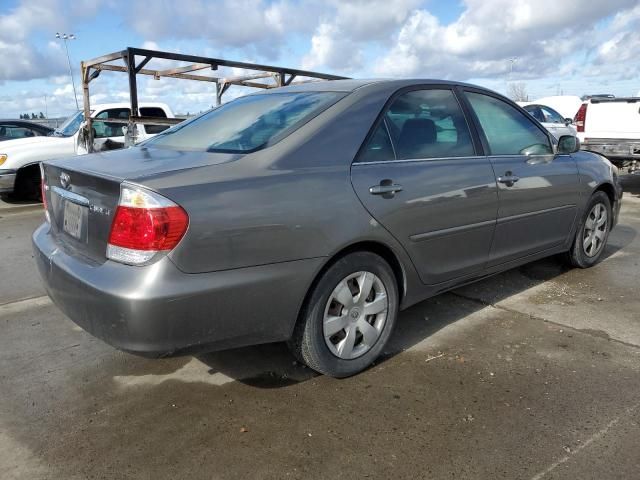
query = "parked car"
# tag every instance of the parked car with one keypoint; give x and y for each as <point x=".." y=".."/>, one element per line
<point x="550" y="119"/>
<point x="611" y="127"/>
<point x="12" y="129"/>
<point x="312" y="214"/>
<point x="20" y="158"/>
<point x="565" y="105"/>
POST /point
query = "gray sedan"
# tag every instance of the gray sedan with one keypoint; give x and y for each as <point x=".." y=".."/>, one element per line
<point x="312" y="214"/>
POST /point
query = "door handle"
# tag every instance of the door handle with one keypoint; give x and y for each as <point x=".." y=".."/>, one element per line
<point x="509" y="179"/>
<point x="387" y="189"/>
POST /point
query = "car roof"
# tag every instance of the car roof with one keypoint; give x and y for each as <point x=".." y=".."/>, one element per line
<point x="354" y="84"/>
<point x="22" y="122"/>
<point x="101" y="106"/>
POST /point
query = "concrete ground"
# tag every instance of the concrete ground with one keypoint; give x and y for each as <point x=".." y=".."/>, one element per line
<point x="532" y="374"/>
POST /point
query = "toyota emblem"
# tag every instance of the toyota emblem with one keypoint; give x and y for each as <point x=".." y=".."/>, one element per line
<point x="65" y="179"/>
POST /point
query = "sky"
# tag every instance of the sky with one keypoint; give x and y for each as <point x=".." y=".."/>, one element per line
<point x="570" y="47"/>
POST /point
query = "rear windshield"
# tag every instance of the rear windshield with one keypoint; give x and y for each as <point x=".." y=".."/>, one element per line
<point x="247" y="124"/>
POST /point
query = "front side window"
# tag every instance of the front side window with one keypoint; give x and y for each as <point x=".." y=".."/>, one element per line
<point x="247" y="123"/>
<point x="110" y="129"/>
<point x="535" y="112"/>
<point x="508" y="131"/>
<point x="551" y="116"/>
<point x="421" y="124"/>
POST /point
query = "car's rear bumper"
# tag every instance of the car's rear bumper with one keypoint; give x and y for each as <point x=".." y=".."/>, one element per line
<point x="7" y="180"/>
<point x="159" y="310"/>
<point x="614" y="149"/>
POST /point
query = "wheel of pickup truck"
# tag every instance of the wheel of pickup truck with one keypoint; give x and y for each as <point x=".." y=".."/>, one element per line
<point x="593" y="232"/>
<point x="348" y="316"/>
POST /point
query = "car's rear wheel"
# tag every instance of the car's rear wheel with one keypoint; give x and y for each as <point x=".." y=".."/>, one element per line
<point x="593" y="232"/>
<point x="348" y="317"/>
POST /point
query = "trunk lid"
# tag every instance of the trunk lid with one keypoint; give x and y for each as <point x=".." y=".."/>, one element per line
<point x="81" y="209"/>
<point x="83" y="192"/>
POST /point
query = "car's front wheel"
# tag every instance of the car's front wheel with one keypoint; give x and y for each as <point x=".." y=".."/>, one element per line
<point x="593" y="232"/>
<point x="348" y="317"/>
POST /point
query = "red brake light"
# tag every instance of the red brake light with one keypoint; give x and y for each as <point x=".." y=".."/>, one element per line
<point x="581" y="117"/>
<point x="148" y="229"/>
<point x="144" y="223"/>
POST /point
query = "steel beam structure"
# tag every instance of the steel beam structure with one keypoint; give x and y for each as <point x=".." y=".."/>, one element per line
<point x="91" y="69"/>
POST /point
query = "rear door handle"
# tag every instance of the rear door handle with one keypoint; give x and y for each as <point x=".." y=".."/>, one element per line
<point x="509" y="179"/>
<point x="391" y="189"/>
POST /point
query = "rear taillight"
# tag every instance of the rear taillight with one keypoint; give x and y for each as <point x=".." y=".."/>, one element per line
<point x="144" y="224"/>
<point x="43" y="192"/>
<point x="581" y="117"/>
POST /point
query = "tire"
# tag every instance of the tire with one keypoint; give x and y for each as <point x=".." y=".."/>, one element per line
<point x="589" y="242"/>
<point x="27" y="186"/>
<point x="335" y="306"/>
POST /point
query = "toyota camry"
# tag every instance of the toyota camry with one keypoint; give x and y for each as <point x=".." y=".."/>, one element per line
<point x="312" y="214"/>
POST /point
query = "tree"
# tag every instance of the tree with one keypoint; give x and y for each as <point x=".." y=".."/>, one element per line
<point x="518" y="92"/>
<point x="41" y="115"/>
<point x="33" y="116"/>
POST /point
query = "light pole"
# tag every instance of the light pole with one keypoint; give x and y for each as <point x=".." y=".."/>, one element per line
<point x="65" y="37"/>
<point x="511" y="60"/>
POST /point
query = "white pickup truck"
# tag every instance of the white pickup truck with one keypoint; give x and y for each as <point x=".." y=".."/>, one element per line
<point x="611" y="127"/>
<point x="20" y="159"/>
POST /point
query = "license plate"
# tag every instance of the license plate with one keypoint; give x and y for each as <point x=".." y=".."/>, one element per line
<point x="72" y="220"/>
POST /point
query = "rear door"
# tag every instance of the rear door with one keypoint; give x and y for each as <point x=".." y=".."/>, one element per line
<point x="422" y="175"/>
<point x="538" y="191"/>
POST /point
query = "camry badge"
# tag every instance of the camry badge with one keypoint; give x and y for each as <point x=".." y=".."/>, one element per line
<point x="64" y="180"/>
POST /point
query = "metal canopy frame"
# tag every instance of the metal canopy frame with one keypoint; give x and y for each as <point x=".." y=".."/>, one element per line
<point x="133" y="67"/>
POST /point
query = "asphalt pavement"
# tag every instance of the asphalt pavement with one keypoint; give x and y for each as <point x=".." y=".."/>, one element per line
<point x="532" y="374"/>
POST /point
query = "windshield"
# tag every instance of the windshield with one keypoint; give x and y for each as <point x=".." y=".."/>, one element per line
<point x="70" y="126"/>
<point x="247" y="124"/>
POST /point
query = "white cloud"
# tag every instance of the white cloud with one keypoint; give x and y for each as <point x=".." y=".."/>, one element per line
<point x="540" y="33"/>
<point x="17" y="29"/>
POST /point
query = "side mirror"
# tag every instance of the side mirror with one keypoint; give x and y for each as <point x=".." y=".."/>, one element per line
<point x="568" y="121"/>
<point x="568" y="144"/>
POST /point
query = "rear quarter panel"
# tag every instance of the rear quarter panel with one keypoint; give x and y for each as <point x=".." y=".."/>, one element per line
<point x="593" y="171"/>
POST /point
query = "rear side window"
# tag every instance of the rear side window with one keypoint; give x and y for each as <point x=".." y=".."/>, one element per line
<point x="508" y="131"/>
<point x="248" y="123"/>
<point x="154" y="112"/>
<point x="420" y="124"/>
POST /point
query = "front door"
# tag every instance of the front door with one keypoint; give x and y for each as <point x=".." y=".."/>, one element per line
<point x="109" y="135"/>
<point x="538" y="191"/>
<point x="418" y="174"/>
